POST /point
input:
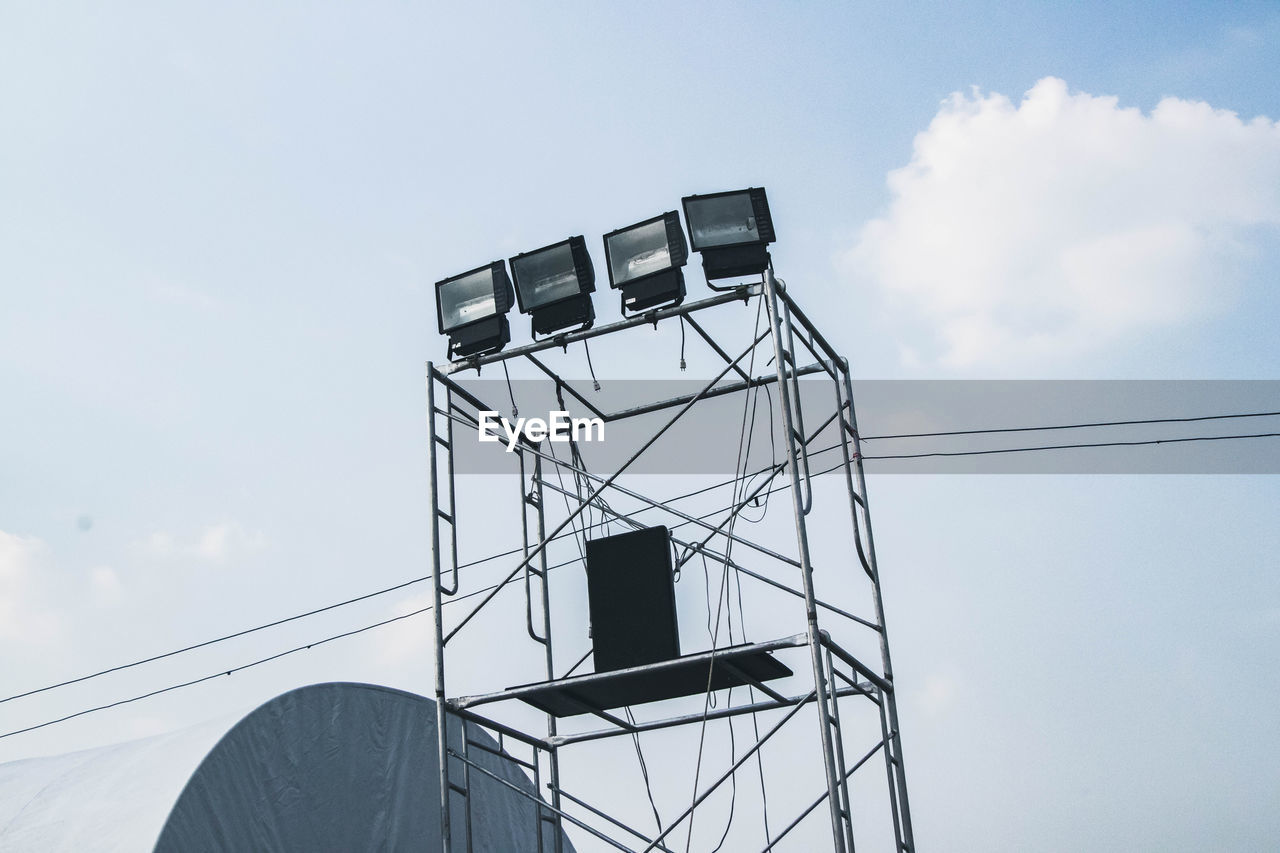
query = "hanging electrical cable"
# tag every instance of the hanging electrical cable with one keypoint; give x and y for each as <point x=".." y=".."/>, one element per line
<point x="682" y="361"/>
<point x="595" y="382"/>
<point x="738" y="470"/>
<point x="515" y="410"/>
<point x="644" y="768"/>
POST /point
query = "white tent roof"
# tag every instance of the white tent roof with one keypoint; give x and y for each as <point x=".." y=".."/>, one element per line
<point x="331" y="767"/>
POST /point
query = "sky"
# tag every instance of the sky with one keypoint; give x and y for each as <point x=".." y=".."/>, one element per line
<point x="219" y="229"/>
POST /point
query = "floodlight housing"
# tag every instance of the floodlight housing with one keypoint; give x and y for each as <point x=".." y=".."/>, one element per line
<point x="732" y="230"/>
<point x="471" y="308"/>
<point x="554" y="286"/>
<point x="644" y="262"/>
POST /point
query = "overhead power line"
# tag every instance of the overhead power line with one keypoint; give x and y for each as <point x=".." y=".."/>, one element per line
<point x="258" y="662"/>
<point x="1135" y="443"/>
<point x="218" y="674"/>
<point x="1071" y="426"/>
<point x="214" y="641"/>
<point x="413" y="581"/>
<point x="296" y="649"/>
<point x="297" y="616"/>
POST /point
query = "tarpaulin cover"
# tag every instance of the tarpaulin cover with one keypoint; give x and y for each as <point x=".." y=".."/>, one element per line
<point x="331" y="767"/>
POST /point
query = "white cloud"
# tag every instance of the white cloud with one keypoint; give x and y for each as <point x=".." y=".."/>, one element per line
<point x="1066" y="223"/>
<point x="214" y="544"/>
<point x="24" y="612"/>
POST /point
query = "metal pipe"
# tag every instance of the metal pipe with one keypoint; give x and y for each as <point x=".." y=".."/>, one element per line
<point x="808" y="343"/>
<point x="528" y="568"/>
<point x="561" y="383"/>
<point x="716" y="529"/>
<point x="647" y="408"/>
<point x="849" y="681"/>
<point x="453" y="508"/>
<point x="604" y="485"/>
<point x="721" y="391"/>
<point x="857" y="665"/>
<point x="714" y="346"/>
<point x="718" y="714"/>
<point x="586" y="708"/>
<point x="790" y="365"/>
<point x="553" y="755"/>
<point x="802" y="537"/>
<point x="595" y="811"/>
<point x="810" y="328"/>
<point x="503" y="754"/>
<point x="745" y="678"/>
<point x="747" y="499"/>
<point x="739" y="295"/>
<point x="544" y="804"/>
<point x="700" y="547"/>
<point x="890" y="699"/>
<point x="537" y="808"/>
<point x="466" y="787"/>
<point x="579" y="663"/>
<point x="838" y="611"/>
<point x="773" y="843"/>
<point x="743" y="760"/>
<point x="855" y="500"/>
<point x="500" y="728"/>
<point x="846" y="804"/>
<point x="442" y="715"/>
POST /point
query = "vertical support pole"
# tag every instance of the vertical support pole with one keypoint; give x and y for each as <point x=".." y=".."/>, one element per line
<point x="845" y="800"/>
<point x="526" y="500"/>
<point x="806" y="568"/>
<point x="553" y="752"/>
<point x="537" y="788"/>
<point x="465" y="751"/>
<point x="893" y="746"/>
<point x="442" y="714"/>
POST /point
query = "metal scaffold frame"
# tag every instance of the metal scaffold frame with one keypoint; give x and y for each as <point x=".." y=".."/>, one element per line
<point x="836" y="674"/>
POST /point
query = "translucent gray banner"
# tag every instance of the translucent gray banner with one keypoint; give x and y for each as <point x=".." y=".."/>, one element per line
<point x="907" y="426"/>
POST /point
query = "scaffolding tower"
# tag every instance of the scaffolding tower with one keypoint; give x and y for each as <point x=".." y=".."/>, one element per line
<point x="834" y="677"/>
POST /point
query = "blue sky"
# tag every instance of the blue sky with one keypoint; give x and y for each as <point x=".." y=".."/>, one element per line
<point x="219" y="226"/>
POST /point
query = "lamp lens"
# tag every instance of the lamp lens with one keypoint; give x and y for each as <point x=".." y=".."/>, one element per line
<point x="468" y="299"/>
<point x="546" y="276"/>
<point x="722" y="221"/>
<point x="639" y="251"/>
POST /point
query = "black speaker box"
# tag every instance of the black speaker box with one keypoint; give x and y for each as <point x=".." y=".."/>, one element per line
<point x="632" y="597"/>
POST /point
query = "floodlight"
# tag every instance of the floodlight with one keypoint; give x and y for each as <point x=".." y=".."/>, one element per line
<point x="472" y="310"/>
<point x="554" y="286"/>
<point x="732" y="231"/>
<point x="644" y="262"/>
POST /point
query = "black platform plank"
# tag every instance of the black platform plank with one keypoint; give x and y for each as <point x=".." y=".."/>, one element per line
<point x="685" y="676"/>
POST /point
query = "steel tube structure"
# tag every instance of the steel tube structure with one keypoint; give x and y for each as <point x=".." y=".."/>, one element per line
<point x="834" y="677"/>
<point x="781" y="359"/>
<point x="739" y="294"/>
